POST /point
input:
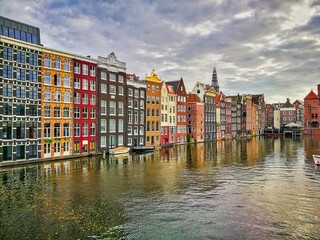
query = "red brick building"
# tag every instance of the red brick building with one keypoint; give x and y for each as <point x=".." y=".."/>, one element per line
<point x="85" y="106"/>
<point x="195" y="117"/>
<point x="311" y="110"/>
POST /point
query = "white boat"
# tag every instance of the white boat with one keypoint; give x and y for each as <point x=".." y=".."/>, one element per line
<point x="119" y="150"/>
<point x="316" y="159"/>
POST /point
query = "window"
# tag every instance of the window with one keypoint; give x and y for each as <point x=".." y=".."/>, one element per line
<point x="7" y="108"/>
<point x="112" y="89"/>
<point x="47" y="130"/>
<point x="136" y="103"/>
<point x="130" y="116"/>
<point x="77" y="68"/>
<point x="47" y="148"/>
<point x="33" y="149"/>
<point x="33" y="110"/>
<point x="57" y="63"/>
<point x="84" y="98"/>
<point x="20" y="92"/>
<point x="57" y="147"/>
<point x="33" y="76"/>
<point x="141" y="104"/>
<point x="92" y="71"/>
<point x="103" y="141"/>
<point x="136" y="93"/>
<point x="130" y="92"/>
<point x="120" y="140"/>
<point x="33" y="93"/>
<point x="47" y="62"/>
<point x="130" y="102"/>
<point x="103" y="75"/>
<point x="84" y="113"/>
<point x="20" y="152"/>
<point x="142" y="94"/>
<point x="66" y="112"/>
<point x="92" y="113"/>
<point x="103" y="127"/>
<point x="57" y="112"/>
<point x="76" y="83"/>
<point x="66" y="66"/>
<point x="103" y="107"/>
<point x="7" y="53"/>
<point x="120" y="77"/>
<point x="57" y="130"/>
<point x="47" y="79"/>
<point x="84" y="69"/>
<point x="129" y="141"/>
<point x="112" y="141"/>
<point x="129" y="130"/>
<point x="77" y="113"/>
<point x="85" y="129"/>
<point x="103" y="88"/>
<point x="6" y="130"/>
<point x="84" y="84"/>
<point x="141" y="130"/>
<point x="92" y="145"/>
<point x="92" y="85"/>
<point x="21" y="74"/>
<point x="20" y="129"/>
<point x="112" y="77"/>
<point x="57" y="96"/>
<point x="32" y="129"/>
<point x="66" y="97"/>
<point x="136" y="116"/>
<point x="7" y="153"/>
<point x="66" y="81"/>
<point x="120" y="90"/>
<point x="66" y="146"/>
<point x="47" y="111"/>
<point x="7" y="71"/>
<point x="76" y="98"/>
<point x="120" y="108"/>
<point x="47" y="95"/>
<point x="112" y="108"/>
<point x="135" y="130"/>
<point x="77" y="129"/>
<point x="141" y="117"/>
<point x="120" y="125"/>
<point x="112" y="125"/>
<point x="92" y="100"/>
<point x="92" y="129"/>
<point x="7" y="90"/>
<point x="76" y="147"/>
<point x="21" y="57"/>
<point x="141" y="142"/>
<point x="66" y="129"/>
<point x="33" y="59"/>
<point x="57" y="80"/>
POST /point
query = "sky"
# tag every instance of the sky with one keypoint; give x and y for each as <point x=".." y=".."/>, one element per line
<point x="269" y="47"/>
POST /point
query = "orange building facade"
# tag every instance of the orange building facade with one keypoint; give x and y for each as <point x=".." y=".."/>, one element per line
<point x="57" y="102"/>
<point x="195" y="117"/>
<point x="153" y="108"/>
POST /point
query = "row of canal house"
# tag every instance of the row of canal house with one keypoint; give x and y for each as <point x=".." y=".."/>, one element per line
<point x="56" y="104"/>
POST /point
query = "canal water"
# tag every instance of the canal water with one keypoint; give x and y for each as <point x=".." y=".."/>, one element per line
<point x="259" y="188"/>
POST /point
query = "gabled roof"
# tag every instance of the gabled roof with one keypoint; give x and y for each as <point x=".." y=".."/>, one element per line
<point x="255" y="98"/>
<point x="311" y="95"/>
<point x="176" y="84"/>
<point x="169" y="89"/>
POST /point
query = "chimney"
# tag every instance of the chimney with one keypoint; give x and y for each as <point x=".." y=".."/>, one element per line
<point x="318" y="89"/>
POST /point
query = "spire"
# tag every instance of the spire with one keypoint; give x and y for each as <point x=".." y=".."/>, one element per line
<point x="214" y="82"/>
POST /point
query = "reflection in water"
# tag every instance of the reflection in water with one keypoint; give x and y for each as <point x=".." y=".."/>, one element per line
<point x="239" y="189"/>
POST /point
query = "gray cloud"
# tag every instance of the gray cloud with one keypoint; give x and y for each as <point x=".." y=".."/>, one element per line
<point x="268" y="47"/>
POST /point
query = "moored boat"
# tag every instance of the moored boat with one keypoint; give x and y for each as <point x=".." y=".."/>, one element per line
<point x="119" y="150"/>
<point x="142" y="149"/>
<point x="316" y="159"/>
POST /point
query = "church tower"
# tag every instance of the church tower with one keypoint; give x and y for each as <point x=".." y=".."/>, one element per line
<point x="214" y="82"/>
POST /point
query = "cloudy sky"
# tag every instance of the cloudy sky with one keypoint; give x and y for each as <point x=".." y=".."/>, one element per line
<point x="258" y="46"/>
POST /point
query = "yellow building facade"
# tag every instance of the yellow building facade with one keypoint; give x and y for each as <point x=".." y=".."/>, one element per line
<point x="57" y="104"/>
